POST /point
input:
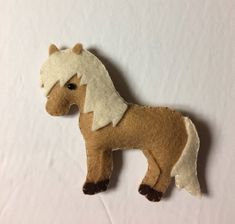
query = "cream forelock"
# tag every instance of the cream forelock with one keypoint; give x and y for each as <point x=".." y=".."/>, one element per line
<point x="101" y="97"/>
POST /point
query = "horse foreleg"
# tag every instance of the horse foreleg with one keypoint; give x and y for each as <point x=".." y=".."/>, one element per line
<point x="99" y="169"/>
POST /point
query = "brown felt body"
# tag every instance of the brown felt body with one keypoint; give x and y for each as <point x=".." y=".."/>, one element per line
<point x="158" y="131"/>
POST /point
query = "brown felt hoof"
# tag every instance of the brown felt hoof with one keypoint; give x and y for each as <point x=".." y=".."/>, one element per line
<point x="150" y="193"/>
<point x="154" y="195"/>
<point x="89" y="188"/>
<point x="102" y="185"/>
<point x="93" y="188"/>
<point x="144" y="189"/>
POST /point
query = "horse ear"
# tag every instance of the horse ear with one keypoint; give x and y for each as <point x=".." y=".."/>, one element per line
<point x="77" y="48"/>
<point x="53" y="49"/>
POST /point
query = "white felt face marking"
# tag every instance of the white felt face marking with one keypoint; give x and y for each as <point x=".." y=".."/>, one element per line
<point x="101" y="97"/>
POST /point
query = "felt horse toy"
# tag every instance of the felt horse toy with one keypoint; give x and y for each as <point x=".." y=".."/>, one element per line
<point x="168" y="140"/>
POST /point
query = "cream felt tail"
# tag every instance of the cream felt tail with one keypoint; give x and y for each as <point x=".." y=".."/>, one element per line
<point x="185" y="169"/>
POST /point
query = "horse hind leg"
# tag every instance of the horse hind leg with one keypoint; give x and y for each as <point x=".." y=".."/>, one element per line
<point x="147" y="186"/>
<point x="157" y="178"/>
<point x="164" y="180"/>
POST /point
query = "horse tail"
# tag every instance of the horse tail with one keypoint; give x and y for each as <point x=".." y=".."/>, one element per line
<point x="185" y="169"/>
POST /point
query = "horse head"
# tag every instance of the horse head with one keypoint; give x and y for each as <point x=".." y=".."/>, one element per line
<point x="76" y="76"/>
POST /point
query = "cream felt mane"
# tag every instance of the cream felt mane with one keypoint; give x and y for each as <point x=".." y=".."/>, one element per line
<point x="101" y="97"/>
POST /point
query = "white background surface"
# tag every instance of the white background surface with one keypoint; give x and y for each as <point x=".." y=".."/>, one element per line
<point x="159" y="52"/>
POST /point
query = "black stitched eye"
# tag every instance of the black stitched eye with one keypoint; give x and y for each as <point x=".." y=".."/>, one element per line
<point x="71" y="86"/>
